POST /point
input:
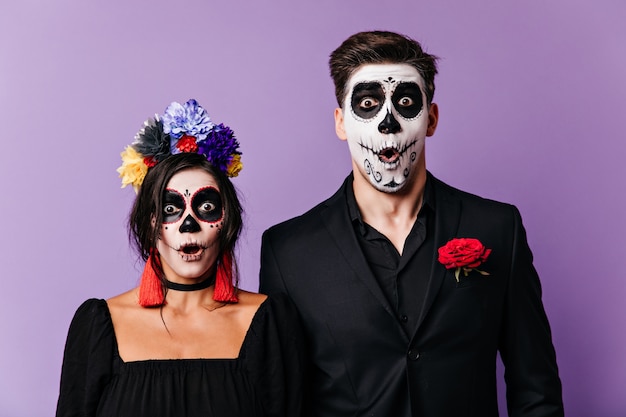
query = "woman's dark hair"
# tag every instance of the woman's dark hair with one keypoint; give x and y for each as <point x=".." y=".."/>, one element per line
<point x="379" y="47"/>
<point x="146" y="216"/>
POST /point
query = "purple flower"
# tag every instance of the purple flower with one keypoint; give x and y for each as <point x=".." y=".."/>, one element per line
<point x="186" y="119"/>
<point x="219" y="146"/>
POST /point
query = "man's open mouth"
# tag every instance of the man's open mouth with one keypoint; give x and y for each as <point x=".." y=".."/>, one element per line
<point x="388" y="155"/>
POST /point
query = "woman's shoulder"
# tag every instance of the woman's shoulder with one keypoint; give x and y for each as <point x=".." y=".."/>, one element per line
<point x="274" y="311"/>
<point x="249" y="307"/>
<point x="273" y="304"/>
<point x="90" y="310"/>
<point x="251" y="299"/>
<point x="124" y="305"/>
<point x="124" y="300"/>
<point x="91" y="324"/>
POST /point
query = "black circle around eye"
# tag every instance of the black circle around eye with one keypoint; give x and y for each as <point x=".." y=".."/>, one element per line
<point x="207" y="204"/>
<point x="407" y="99"/>
<point x="173" y="206"/>
<point x="367" y="99"/>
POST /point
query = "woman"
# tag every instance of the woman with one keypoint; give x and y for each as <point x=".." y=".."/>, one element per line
<point x="187" y="341"/>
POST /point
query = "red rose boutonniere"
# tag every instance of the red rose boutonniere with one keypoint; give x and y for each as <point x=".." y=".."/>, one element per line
<point x="464" y="255"/>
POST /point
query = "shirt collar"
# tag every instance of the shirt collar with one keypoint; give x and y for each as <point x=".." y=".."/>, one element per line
<point x="355" y="215"/>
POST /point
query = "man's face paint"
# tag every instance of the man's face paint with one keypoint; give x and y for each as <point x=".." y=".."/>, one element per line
<point x="385" y="122"/>
<point x="192" y="218"/>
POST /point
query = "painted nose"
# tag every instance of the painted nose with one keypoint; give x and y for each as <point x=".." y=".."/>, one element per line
<point x="190" y="225"/>
<point x="389" y="125"/>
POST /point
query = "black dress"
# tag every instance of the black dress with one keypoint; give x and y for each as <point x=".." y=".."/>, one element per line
<point x="264" y="380"/>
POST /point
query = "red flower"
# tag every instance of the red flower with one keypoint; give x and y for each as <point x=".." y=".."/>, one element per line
<point x="187" y="144"/>
<point x="465" y="254"/>
<point x="149" y="161"/>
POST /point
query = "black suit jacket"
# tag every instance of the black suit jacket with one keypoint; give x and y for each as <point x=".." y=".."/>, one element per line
<point x="363" y="362"/>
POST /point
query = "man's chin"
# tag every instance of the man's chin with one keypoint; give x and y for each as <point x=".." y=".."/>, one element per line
<point x="391" y="187"/>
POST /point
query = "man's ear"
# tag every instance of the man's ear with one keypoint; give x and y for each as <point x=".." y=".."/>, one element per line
<point x="339" y="129"/>
<point x="433" y="118"/>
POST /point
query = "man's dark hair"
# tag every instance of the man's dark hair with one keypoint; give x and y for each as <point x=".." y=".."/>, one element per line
<point x="380" y="47"/>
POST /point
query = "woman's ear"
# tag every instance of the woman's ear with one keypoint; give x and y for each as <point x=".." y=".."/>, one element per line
<point x="153" y="223"/>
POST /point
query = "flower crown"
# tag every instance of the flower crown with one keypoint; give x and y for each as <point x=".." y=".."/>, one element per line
<point x="182" y="128"/>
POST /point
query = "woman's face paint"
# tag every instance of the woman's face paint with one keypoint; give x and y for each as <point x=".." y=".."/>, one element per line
<point x="192" y="218"/>
<point x="385" y="123"/>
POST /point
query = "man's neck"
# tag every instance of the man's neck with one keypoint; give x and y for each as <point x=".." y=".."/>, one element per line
<point x="392" y="214"/>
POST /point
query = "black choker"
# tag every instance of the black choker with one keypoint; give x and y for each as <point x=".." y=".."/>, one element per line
<point x="190" y="287"/>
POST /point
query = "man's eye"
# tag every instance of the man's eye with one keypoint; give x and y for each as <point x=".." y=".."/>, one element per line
<point x="170" y="209"/>
<point x="206" y="207"/>
<point x="368" y="103"/>
<point x="406" y="102"/>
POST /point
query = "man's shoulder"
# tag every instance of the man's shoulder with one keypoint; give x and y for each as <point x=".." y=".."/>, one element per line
<point x="447" y="192"/>
<point x="312" y="218"/>
<point x="472" y="206"/>
<point x="294" y="224"/>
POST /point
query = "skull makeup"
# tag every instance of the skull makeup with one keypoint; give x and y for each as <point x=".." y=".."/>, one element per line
<point x="385" y="120"/>
<point x="192" y="218"/>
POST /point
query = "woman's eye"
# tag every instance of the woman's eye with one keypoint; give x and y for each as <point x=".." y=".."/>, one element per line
<point x="206" y="207"/>
<point x="406" y="102"/>
<point x="368" y="103"/>
<point x="170" y="209"/>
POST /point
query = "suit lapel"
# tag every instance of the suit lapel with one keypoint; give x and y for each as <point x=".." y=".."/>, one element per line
<point x="447" y="217"/>
<point x="337" y="221"/>
<point x="339" y="226"/>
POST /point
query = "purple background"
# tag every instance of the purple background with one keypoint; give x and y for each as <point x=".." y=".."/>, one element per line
<point x="531" y="95"/>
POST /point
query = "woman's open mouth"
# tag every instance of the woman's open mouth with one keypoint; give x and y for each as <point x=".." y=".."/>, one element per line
<point x="191" y="249"/>
<point x="191" y="252"/>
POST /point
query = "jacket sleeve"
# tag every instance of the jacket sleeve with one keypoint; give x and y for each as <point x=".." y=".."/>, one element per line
<point x="87" y="360"/>
<point x="270" y="279"/>
<point x="272" y="283"/>
<point x="531" y="374"/>
<point x="275" y="358"/>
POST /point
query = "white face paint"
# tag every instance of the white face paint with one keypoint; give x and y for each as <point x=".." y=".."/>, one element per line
<point x="385" y="122"/>
<point x="192" y="218"/>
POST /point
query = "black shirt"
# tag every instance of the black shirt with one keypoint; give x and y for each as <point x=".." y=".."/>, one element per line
<point x="402" y="278"/>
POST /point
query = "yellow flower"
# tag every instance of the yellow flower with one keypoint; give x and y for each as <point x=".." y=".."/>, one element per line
<point x="235" y="166"/>
<point x="133" y="169"/>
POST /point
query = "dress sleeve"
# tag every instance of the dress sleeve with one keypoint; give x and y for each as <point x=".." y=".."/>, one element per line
<point x="276" y="358"/>
<point x="87" y="360"/>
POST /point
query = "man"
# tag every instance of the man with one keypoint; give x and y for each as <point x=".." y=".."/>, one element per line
<point x="407" y="287"/>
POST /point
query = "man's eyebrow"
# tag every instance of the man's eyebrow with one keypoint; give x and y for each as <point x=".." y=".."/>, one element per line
<point x="367" y="85"/>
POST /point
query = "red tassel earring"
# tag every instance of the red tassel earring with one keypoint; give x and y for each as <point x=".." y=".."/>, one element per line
<point x="150" y="289"/>
<point x="224" y="290"/>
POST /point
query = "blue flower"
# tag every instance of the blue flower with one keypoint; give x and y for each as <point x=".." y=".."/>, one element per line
<point x="186" y="119"/>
